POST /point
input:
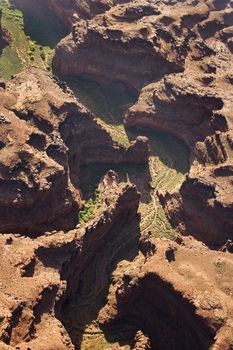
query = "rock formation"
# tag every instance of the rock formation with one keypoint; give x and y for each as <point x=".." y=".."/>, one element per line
<point x="45" y="136"/>
<point x="181" y="53"/>
<point x="108" y="283"/>
<point x="175" y="296"/>
<point x="200" y="116"/>
<point x="124" y="45"/>
<point x="154" y="294"/>
<point x="36" y="274"/>
<point x="67" y="11"/>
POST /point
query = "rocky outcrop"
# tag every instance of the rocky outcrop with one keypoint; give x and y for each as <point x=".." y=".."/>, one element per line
<point x="141" y="41"/>
<point x="45" y="136"/>
<point x="196" y="106"/>
<point x="203" y="206"/>
<point x="168" y="297"/>
<point x="56" y="286"/>
<point x="127" y="45"/>
<point x="180" y="105"/>
<point x="182" y="52"/>
<point x="202" y="119"/>
<point x="110" y="283"/>
<point x="36" y="275"/>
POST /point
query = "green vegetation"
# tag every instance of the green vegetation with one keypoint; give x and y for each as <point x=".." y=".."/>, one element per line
<point x="100" y="342"/>
<point x="87" y="213"/>
<point x="25" y="48"/>
<point x="167" y="169"/>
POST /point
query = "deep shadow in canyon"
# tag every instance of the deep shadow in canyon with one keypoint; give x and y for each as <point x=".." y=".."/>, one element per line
<point x="40" y="24"/>
<point x="90" y="280"/>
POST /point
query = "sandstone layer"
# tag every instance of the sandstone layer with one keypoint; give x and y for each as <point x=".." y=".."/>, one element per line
<point x="45" y="136"/>
<point x="196" y="107"/>
<point x="172" y="294"/>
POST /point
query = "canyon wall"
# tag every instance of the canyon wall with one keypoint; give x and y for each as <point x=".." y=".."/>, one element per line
<point x="152" y="294"/>
<point x="200" y="116"/>
<point x="66" y="285"/>
<point x="45" y="136"/>
<point x="32" y="272"/>
<point x="67" y="11"/>
<point x="178" y="57"/>
<point x="124" y="46"/>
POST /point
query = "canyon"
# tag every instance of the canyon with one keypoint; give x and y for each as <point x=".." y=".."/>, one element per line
<point x="187" y="58"/>
<point x="46" y="137"/>
<point x="116" y="174"/>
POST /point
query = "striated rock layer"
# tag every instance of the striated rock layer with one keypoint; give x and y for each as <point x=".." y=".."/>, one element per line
<point x="201" y="117"/>
<point x="104" y="284"/>
<point x="45" y="136"/>
<point x="196" y="107"/>
<point x="125" y="45"/>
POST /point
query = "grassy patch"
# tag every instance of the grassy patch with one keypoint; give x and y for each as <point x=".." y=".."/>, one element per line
<point x="87" y="213"/>
<point x="168" y="165"/>
<point x="25" y="50"/>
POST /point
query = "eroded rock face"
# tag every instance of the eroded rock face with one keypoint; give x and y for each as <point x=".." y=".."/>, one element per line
<point x="175" y="298"/>
<point x="203" y="206"/>
<point x="201" y="117"/>
<point x="55" y="286"/>
<point x="45" y="136"/>
<point x="196" y="107"/>
<point x="67" y="11"/>
<point x="36" y="274"/>
<point x="182" y="52"/>
<point x="103" y="278"/>
<point x="127" y="45"/>
<point x="180" y="105"/>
